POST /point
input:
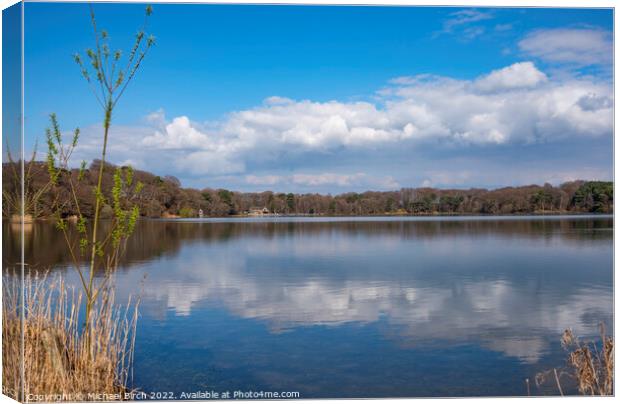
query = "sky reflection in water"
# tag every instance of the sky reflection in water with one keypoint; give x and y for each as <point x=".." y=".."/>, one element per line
<point x="375" y="307"/>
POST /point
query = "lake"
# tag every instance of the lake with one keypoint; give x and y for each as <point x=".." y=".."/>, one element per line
<point x="355" y="307"/>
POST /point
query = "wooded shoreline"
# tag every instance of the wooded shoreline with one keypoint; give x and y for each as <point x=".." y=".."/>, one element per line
<point x="164" y="197"/>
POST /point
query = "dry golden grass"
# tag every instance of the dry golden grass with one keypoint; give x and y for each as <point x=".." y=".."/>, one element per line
<point x="61" y="361"/>
<point x="590" y="365"/>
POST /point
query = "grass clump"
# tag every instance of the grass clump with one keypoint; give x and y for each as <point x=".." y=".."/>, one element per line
<point x="593" y="366"/>
<point x="590" y="365"/>
<point x="65" y="359"/>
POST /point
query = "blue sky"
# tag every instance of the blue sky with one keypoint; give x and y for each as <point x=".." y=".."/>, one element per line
<point x="11" y="82"/>
<point x="335" y="99"/>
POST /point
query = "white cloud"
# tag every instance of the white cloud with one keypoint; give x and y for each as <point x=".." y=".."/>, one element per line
<point x="313" y="180"/>
<point x="493" y="175"/>
<point x="594" y="102"/>
<point x="345" y="180"/>
<point x="446" y="178"/>
<point x="472" y="32"/>
<point x="518" y="75"/>
<point x="157" y="118"/>
<point x="524" y="107"/>
<point x="263" y="179"/>
<point x="518" y="104"/>
<point x="580" y="47"/>
<point x="210" y="162"/>
<point x="460" y="22"/>
<point x="179" y="134"/>
<point x="463" y="24"/>
<point x="326" y="179"/>
<point x="463" y="17"/>
<point x="277" y="100"/>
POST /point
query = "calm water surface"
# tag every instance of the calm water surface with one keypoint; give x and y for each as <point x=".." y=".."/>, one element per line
<point x="360" y="307"/>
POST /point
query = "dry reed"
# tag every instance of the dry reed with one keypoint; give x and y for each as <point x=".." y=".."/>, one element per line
<point x="63" y="359"/>
<point x="590" y="365"/>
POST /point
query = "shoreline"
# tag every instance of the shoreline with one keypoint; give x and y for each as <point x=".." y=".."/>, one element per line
<point x="384" y="215"/>
<point x="248" y="218"/>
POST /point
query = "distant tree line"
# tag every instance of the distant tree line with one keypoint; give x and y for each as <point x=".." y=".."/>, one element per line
<point x="164" y="196"/>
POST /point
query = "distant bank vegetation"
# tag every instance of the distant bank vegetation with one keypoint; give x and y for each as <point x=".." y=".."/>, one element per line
<point x="164" y="197"/>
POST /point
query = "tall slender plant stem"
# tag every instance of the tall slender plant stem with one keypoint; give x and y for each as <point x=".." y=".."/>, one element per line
<point x="93" y="253"/>
<point x="100" y="66"/>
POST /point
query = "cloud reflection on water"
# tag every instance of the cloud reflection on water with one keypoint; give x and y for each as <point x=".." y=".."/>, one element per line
<point x="326" y="280"/>
<point x="511" y="286"/>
